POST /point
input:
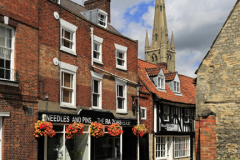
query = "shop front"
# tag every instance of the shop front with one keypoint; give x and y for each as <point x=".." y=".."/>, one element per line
<point x="85" y="146"/>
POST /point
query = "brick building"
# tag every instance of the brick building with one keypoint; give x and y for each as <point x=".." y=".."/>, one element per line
<point x="217" y="101"/>
<point x="62" y="62"/>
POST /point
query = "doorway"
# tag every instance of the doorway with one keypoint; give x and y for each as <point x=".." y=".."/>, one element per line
<point x="169" y="148"/>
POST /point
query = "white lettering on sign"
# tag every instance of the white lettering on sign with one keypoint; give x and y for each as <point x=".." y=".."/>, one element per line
<point x="170" y="127"/>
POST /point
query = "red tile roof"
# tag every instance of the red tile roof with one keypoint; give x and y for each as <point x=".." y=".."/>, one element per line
<point x="188" y="88"/>
<point x="170" y="76"/>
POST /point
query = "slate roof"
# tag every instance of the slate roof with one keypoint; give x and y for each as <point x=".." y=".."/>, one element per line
<point x="76" y="9"/>
<point x="187" y="85"/>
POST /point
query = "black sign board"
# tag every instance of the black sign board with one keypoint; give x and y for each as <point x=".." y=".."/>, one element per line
<point x="88" y="116"/>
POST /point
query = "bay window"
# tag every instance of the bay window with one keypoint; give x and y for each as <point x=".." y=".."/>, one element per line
<point x="182" y="147"/>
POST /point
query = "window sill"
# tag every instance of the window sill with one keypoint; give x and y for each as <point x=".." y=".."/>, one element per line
<point x="163" y="90"/>
<point x="121" y="112"/>
<point x="66" y="105"/>
<point x="62" y="48"/>
<point x="144" y="119"/>
<point x="9" y="83"/>
<point x="121" y="68"/>
<point x="97" y="61"/>
<point x="178" y="94"/>
<point x="96" y="108"/>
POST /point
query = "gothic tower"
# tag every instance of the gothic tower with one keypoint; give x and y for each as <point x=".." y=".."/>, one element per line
<point x="160" y="50"/>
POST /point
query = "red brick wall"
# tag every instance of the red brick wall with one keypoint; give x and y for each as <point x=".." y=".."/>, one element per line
<point x="24" y="11"/>
<point x="205" y="138"/>
<point x="145" y="100"/>
<point x="101" y="4"/>
<point x="18" y="140"/>
<point x="49" y="74"/>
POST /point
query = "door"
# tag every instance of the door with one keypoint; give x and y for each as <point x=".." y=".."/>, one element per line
<point x="169" y="148"/>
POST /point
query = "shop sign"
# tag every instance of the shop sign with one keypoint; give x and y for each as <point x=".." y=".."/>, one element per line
<point x="108" y="120"/>
<point x="170" y="127"/>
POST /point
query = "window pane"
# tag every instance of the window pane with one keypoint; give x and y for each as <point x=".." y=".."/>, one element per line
<point x="67" y="44"/>
<point x="120" y="103"/>
<point x="6" y="53"/>
<point x="120" y="62"/>
<point x="120" y="91"/>
<point x="2" y="31"/>
<point x="7" y="64"/>
<point x="8" y="33"/>
<point x="2" y="41"/>
<point x="8" y="43"/>
<point x="67" y="80"/>
<point x="96" y="47"/>
<point x="55" y="147"/>
<point x="95" y="100"/>
<point x="162" y="83"/>
<point x="95" y="55"/>
<point x="67" y="95"/>
<point x="67" y="35"/>
<point x="95" y="83"/>
<point x="120" y="55"/>
<point x="2" y="63"/>
<point x="143" y="113"/>
<point x="1" y="73"/>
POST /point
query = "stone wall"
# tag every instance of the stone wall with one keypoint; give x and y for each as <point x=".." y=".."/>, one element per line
<point x="218" y="86"/>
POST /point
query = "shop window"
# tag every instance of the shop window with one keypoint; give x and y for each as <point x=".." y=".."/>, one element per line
<point x="68" y="37"/>
<point x="143" y="113"/>
<point x="68" y="85"/>
<point x="97" y="49"/>
<point x="182" y="147"/>
<point x="105" y="148"/>
<point x="121" y="93"/>
<point x="59" y="147"/>
<point x="166" y="113"/>
<point x="161" y="143"/>
<point x="96" y="90"/>
<point x="7" y="53"/>
<point x="186" y="116"/>
<point x="121" y="57"/>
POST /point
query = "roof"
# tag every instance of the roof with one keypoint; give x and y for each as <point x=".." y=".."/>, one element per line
<point x="77" y="9"/>
<point x="187" y="85"/>
<point x="170" y="76"/>
<point x="218" y="34"/>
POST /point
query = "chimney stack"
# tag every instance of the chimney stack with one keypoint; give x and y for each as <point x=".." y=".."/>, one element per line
<point x="100" y="4"/>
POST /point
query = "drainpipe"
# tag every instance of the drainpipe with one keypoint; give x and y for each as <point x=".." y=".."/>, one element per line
<point x="91" y="28"/>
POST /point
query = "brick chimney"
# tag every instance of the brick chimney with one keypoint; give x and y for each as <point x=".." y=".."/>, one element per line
<point x="162" y="65"/>
<point x="100" y="4"/>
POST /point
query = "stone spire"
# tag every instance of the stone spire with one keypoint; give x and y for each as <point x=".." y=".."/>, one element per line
<point x="160" y="24"/>
<point x="160" y="51"/>
<point x="146" y="40"/>
<point x="172" y="43"/>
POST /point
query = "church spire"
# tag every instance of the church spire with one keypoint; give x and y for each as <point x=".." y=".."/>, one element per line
<point x="172" y="43"/>
<point x="146" y="40"/>
<point x="160" y="23"/>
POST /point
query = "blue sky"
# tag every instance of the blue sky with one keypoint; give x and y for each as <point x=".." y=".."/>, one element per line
<point x="195" y="25"/>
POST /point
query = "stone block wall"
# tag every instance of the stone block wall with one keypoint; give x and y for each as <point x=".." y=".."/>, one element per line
<point x="218" y="86"/>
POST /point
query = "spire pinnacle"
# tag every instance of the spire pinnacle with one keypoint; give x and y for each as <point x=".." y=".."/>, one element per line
<point x="146" y="40"/>
<point x="172" y="42"/>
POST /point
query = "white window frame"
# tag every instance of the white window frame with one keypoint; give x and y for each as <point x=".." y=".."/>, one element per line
<point x="12" y="52"/>
<point x="97" y="77"/>
<point x="145" y="111"/>
<point x="97" y="40"/>
<point x="122" y="49"/>
<point x="124" y="84"/>
<point x="188" y="116"/>
<point x="161" y="82"/>
<point x="185" y="142"/>
<point x="70" y="69"/>
<point x="72" y="29"/>
<point x="2" y="114"/>
<point x="101" y="12"/>
<point x="159" y="148"/>
<point x="166" y="113"/>
<point x="176" y="86"/>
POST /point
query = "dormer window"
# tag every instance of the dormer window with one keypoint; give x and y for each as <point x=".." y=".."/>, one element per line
<point x="102" y="18"/>
<point x="159" y="81"/>
<point x="176" y="86"/>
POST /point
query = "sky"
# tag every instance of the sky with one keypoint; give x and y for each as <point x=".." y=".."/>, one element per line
<point x="195" y="25"/>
